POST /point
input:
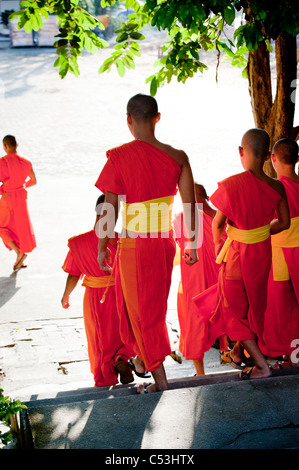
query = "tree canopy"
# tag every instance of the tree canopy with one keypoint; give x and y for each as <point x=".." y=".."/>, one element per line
<point x="192" y="26"/>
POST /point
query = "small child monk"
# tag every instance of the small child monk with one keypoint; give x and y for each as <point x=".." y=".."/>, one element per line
<point x="148" y="173"/>
<point x="248" y="202"/>
<point x="196" y="279"/>
<point x="281" y="329"/>
<point x="108" y="355"/>
<point x="16" y="175"/>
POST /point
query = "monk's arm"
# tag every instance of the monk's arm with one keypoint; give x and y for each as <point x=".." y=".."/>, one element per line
<point x="218" y="225"/>
<point x="283" y="214"/>
<point x="70" y="285"/>
<point x="105" y="229"/>
<point x="32" y="179"/>
<point x="186" y="188"/>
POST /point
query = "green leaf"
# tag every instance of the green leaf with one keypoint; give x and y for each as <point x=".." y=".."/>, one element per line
<point x="229" y="14"/>
<point x="122" y="37"/>
<point x="153" y="86"/>
<point x="120" y="67"/>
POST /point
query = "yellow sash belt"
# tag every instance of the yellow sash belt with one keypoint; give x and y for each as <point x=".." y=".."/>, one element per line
<point x="285" y="239"/>
<point x="152" y="216"/>
<point x="255" y="235"/>
<point x="96" y="282"/>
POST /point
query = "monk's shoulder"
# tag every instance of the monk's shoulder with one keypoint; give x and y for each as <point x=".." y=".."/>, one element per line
<point x="275" y="184"/>
<point x="178" y="155"/>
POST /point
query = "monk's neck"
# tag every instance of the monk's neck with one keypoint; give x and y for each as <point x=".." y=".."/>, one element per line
<point x="289" y="173"/>
<point x="258" y="172"/>
<point x="147" y="138"/>
<point x="207" y="209"/>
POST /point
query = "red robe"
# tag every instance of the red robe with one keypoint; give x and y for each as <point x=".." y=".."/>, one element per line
<point x="15" y="224"/>
<point x="282" y="314"/>
<point x="195" y="279"/>
<point x="248" y="203"/>
<point x="100" y="319"/>
<point x="142" y="172"/>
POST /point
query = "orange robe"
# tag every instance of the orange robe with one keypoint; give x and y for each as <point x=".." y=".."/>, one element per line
<point x="282" y="314"/>
<point x="142" y="172"/>
<point x="100" y="319"/>
<point x="15" y="224"/>
<point x="238" y="302"/>
<point x="194" y="280"/>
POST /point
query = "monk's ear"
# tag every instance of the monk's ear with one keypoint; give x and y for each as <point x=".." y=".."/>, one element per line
<point x="158" y="117"/>
<point x="241" y="151"/>
<point x="268" y="156"/>
<point x="129" y="118"/>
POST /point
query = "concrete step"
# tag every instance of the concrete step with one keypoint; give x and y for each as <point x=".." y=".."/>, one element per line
<point x="215" y="411"/>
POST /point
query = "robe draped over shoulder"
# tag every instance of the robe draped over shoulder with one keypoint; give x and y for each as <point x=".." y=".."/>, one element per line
<point x="141" y="172"/>
<point x="248" y="203"/>
<point x="101" y="320"/>
<point x="282" y="313"/>
<point x="15" y="223"/>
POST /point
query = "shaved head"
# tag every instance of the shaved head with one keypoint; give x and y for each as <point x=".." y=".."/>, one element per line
<point x="142" y="107"/>
<point x="10" y="140"/>
<point x="286" y="150"/>
<point x="257" y="141"/>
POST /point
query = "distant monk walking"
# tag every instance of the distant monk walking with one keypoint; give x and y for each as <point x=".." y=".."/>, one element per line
<point x="16" y="175"/>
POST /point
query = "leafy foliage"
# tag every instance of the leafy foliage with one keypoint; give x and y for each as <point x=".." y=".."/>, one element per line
<point x="76" y="27"/>
<point x="192" y="26"/>
<point x="7" y="408"/>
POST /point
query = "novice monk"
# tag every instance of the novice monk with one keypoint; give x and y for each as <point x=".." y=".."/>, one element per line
<point x="108" y="355"/>
<point x="196" y="279"/>
<point x="248" y="201"/>
<point x="147" y="172"/>
<point x="281" y="329"/>
<point x="16" y="174"/>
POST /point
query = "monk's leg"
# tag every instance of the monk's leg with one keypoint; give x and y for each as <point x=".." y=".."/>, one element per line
<point x="17" y="250"/>
<point x="138" y="364"/>
<point x="160" y="384"/>
<point x="237" y="353"/>
<point x="199" y="366"/>
<point x="261" y="368"/>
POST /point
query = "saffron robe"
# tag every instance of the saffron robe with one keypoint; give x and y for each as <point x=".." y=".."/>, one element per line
<point x="101" y="320"/>
<point x="239" y="300"/>
<point x="282" y="313"/>
<point x="194" y="280"/>
<point x="15" y="223"/>
<point x="143" y="172"/>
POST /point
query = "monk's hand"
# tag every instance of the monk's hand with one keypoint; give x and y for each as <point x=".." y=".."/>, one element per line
<point x="105" y="259"/>
<point x="218" y="247"/>
<point x="65" y="301"/>
<point x="190" y="256"/>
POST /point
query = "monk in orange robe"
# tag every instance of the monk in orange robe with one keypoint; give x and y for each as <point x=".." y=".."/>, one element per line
<point x="281" y="328"/>
<point x="196" y="279"/>
<point x="148" y="173"/>
<point x="16" y="174"/>
<point x="107" y="354"/>
<point x="247" y="202"/>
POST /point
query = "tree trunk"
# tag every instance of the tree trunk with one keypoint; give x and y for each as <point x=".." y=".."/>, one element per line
<point x="276" y="117"/>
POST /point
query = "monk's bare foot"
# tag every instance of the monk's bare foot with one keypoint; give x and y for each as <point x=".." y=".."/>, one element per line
<point x="255" y="373"/>
<point x="138" y="364"/>
<point x="20" y="261"/>
<point x="146" y="388"/>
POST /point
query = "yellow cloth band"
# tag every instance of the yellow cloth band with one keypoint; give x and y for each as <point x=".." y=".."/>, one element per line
<point x="249" y="237"/>
<point x="285" y="239"/>
<point x="152" y="216"/>
<point x="96" y="282"/>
